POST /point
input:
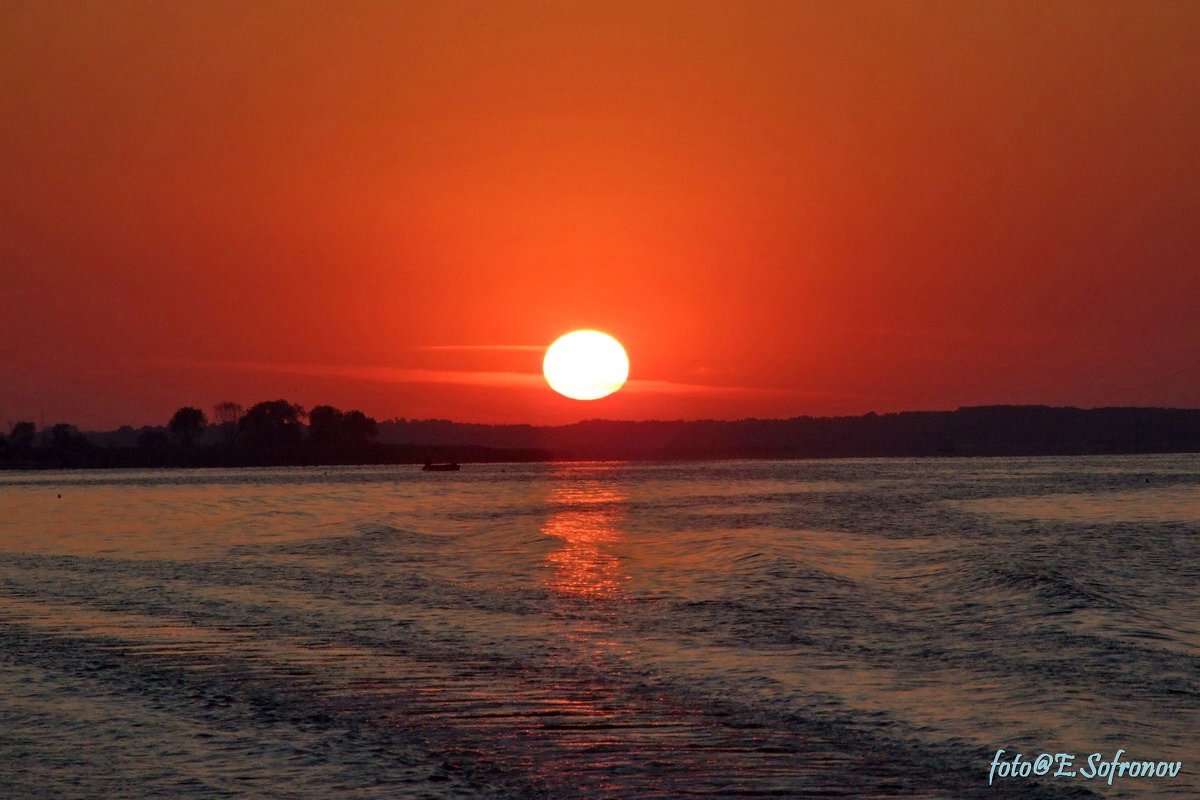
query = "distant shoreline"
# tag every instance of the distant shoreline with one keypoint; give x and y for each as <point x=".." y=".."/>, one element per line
<point x="986" y="431"/>
<point x="489" y="461"/>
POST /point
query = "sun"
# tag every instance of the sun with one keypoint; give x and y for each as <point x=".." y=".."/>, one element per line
<point x="585" y="365"/>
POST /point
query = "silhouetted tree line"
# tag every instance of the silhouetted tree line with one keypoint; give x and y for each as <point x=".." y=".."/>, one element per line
<point x="271" y="432"/>
<point x="281" y="433"/>
<point x="60" y="445"/>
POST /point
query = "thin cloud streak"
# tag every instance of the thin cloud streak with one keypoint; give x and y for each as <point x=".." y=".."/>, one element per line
<point x="386" y="374"/>
<point x="641" y="386"/>
<point x="513" y="380"/>
<point x="492" y="348"/>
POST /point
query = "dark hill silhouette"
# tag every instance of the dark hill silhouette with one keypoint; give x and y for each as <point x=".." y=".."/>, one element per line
<point x="974" y="431"/>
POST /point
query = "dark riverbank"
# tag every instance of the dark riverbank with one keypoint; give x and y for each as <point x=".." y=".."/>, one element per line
<point x="229" y="457"/>
<point x="980" y="431"/>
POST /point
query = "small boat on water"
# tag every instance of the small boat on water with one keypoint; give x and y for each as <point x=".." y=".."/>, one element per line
<point x="451" y="467"/>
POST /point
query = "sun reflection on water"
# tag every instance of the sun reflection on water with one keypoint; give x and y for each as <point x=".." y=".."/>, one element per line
<point x="586" y="514"/>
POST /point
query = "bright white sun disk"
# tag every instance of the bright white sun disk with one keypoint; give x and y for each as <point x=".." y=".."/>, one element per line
<point x="585" y="365"/>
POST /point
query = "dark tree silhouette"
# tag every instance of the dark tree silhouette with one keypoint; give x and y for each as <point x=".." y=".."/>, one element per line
<point x="325" y="426"/>
<point x="66" y="439"/>
<point x="273" y="423"/>
<point x="187" y="424"/>
<point x="331" y="426"/>
<point x="226" y="414"/>
<point x="22" y="435"/>
<point x="357" y="428"/>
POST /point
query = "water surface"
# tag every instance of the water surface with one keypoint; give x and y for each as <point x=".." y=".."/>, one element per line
<point x="857" y="628"/>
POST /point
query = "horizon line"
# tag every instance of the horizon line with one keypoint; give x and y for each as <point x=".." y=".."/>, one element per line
<point x="701" y="420"/>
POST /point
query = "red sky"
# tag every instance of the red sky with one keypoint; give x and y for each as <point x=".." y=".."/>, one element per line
<point x="780" y="209"/>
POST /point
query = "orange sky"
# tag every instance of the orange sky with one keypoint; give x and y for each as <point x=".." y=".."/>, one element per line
<point x="780" y="209"/>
